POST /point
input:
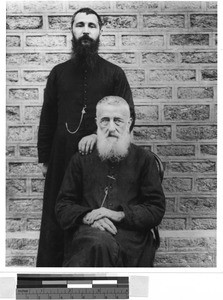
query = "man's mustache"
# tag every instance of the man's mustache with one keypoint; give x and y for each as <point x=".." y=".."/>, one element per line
<point x="85" y="37"/>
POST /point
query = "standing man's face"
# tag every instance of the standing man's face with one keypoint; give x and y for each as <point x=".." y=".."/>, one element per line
<point x="86" y="25"/>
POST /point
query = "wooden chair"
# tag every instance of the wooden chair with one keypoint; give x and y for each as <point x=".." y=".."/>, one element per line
<point x="161" y="173"/>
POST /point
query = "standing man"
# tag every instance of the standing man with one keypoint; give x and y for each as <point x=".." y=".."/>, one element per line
<point x="111" y="199"/>
<point x="67" y="122"/>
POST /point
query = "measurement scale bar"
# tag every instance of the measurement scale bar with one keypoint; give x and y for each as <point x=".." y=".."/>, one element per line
<point x="71" y="287"/>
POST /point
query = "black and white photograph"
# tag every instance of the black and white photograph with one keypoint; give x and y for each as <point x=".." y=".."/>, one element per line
<point x="111" y="134"/>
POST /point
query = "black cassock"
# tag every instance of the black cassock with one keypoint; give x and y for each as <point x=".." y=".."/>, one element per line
<point x="70" y="90"/>
<point x="132" y="186"/>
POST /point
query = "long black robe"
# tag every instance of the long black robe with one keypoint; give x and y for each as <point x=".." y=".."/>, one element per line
<point x="69" y="88"/>
<point x="133" y="187"/>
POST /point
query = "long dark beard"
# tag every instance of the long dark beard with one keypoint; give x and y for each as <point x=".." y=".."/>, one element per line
<point x="85" y="55"/>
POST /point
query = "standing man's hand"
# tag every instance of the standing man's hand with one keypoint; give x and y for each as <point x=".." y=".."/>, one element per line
<point x="87" y="143"/>
<point x="44" y="169"/>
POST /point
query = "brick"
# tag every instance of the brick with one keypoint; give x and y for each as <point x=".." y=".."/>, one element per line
<point x="209" y="75"/>
<point x="192" y="244"/>
<point x="182" y="5"/>
<point x="33" y="224"/>
<point x="10" y="151"/>
<point x="28" y="151"/>
<point x="190" y="133"/>
<point x="170" y="205"/>
<point x="24" y="22"/>
<point x="151" y="133"/>
<point x="147" y="113"/>
<point x="37" y="185"/>
<point x="141" y="6"/>
<point x="56" y="58"/>
<point x="24" y="168"/>
<point x="13" y="41"/>
<point x="22" y="244"/>
<point x="153" y="93"/>
<point x="13" y="113"/>
<point x="32" y="113"/>
<point x="46" y="41"/>
<point x="121" y="21"/>
<point x="195" y="92"/>
<point x="143" y="41"/>
<point x="96" y="5"/>
<point x="19" y="59"/>
<point x="15" y="187"/>
<point x="120" y="58"/>
<point x="174" y="259"/>
<point x="203" y="21"/>
<point x="136" y="76"/>
<point x="205" y="166"/>
<point x="208" y="149"/>
<point x="35" y="76"/>
<point x="203" y="224"/>
<point x="107" y="40"/>
<point x="199" y="57"/>
<point x="25" y="206"/>
<point x="197" y="205"/>
<point x="23" y="94"/>
<point x="158" y="57"/>
<point x="163" y="21"/>
<point x="189" y="39"/>
<point x="20" y="133"/>
<point x="42" y="6"/>
<point x="13" y="7"/>
<point x="172" y="75"/>
<point x="14" y="225"/>
<point x="177" y="184"/>
<point x="211" y="5"/>
<point x="206" y="184"/>
<point x="59" y="22"/>
<point x="173" y="224"/>
<point x="176" y="150"/>
<point x="20" y="261"/>
<point x="186" y="112"/>
<point x="12" y="77"/>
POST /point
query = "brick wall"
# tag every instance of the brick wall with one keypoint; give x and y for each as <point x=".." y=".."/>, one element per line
<point x="169" y="53"/>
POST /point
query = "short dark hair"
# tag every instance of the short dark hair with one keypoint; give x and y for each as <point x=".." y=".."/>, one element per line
<point x="87" y="11"/>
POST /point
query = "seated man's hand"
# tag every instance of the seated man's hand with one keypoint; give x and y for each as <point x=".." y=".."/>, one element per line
<point x="87" y="143"/>
<point x="102" y="212"/>
<point x="105" y="224"/>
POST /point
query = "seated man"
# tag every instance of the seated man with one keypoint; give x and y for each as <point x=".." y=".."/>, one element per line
<point x="111" y="199"/>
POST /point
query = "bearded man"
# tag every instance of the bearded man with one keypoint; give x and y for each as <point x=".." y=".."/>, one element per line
<point x="110" y="200"/>
<point x="67" y="122"/>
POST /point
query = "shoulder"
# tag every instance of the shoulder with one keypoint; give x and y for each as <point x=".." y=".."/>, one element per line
<point x="60" y="67"/>
<point x="107" y="64"/>
<point x="141" y="155"/>
<point x="86" y="159"/>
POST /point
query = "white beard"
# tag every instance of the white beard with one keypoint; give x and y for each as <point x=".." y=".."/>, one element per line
<point x="111" y="148"/>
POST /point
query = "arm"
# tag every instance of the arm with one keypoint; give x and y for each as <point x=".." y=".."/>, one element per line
<point x="48" y="119"/>
<point x="150" y="209"/>
<point x="69" y="209"/>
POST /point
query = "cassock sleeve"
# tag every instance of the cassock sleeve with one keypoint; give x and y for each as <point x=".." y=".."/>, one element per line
<point x="151" y="208"/>
<point x="48" y="119"/>
<point x="69" y="211"/>
<point x="122" y="89"/>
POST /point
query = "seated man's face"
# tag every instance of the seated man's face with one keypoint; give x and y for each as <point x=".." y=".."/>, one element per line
<point x="114" y="121"/>
<point x="113" y="131"/>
